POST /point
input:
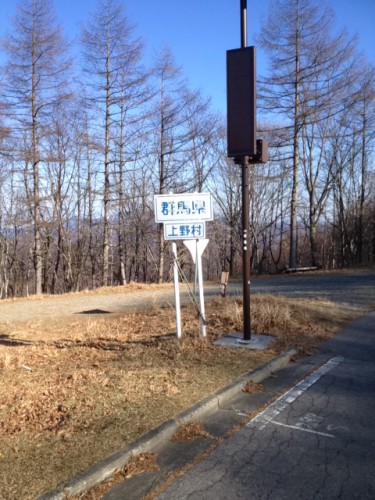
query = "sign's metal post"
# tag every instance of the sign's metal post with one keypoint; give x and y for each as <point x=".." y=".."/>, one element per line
<point x="200" y="285"/>
<point x="246" y="250"/>
<point x="195" y="270"/>
<point x="243" y="145"/>
<point x="245" y="210"/>
<point x="176" y="290"/>
<point x="243" y="23"/>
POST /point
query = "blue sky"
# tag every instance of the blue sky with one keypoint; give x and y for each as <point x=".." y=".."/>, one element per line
<point x="200" y="31"/>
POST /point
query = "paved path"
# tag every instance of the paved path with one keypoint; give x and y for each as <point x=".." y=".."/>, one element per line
<point x="317" y="441"/>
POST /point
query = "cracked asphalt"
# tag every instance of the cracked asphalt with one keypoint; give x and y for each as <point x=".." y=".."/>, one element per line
<point x="316" y="441"/>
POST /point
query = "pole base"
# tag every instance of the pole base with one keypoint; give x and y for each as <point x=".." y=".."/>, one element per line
<point x="236" y="340"/>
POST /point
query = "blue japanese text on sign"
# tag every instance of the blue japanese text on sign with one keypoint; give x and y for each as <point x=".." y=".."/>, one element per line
<point x="183" y="207"/>
<point x="184" y="230"/>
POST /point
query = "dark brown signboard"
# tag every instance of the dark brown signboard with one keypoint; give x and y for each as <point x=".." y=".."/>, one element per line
<point x="241" y="102"/>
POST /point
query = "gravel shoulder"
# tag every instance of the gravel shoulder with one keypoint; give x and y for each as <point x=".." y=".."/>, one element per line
<point x="91" y="303"/>
<point x="355" y="288"/>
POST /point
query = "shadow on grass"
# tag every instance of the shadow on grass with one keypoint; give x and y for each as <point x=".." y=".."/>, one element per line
<point x="108" y="344"/>
<point x="8" y="341"/>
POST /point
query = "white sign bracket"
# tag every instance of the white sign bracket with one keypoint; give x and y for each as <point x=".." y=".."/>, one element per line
<point x="196" y="249"/>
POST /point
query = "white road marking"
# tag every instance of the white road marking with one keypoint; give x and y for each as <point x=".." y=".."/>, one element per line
<point x="298" y="428"/>
<point x="310" y="421"/>
<point x="242" y="414"/>
<point x="267" y="415"/>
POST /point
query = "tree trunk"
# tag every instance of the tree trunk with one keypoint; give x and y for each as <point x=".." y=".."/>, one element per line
<point x="38" y="257"/>
<point x="294" y="199"/>
<point x="106" y="197"/>
<point x="363" y="186"/>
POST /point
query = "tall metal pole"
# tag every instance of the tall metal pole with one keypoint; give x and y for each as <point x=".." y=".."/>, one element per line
<point x="246" y="249"/>
<point x="245" y="210"/>
<point x="243" y="23"/>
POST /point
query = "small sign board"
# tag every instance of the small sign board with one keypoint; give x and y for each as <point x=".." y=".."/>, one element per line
<point x="185" y="207"/>
<point x="184" y="230"/>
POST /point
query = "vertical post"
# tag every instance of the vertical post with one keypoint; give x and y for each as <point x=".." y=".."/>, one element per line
<point x="198" y="263"/>
<point x="243" y="23"/>
<point x="245" y="250"/>
<point x="176" y="289"/>
<point x="196" y="269"/>
<point x="245" y="210"/>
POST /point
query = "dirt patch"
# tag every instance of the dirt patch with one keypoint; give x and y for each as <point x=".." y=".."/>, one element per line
<point x="74" y="390"/>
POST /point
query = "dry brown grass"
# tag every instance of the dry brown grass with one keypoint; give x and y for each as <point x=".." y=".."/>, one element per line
<point x="72" y="392"/>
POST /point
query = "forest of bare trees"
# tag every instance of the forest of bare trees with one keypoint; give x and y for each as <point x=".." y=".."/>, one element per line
<point x="89" y="134"/>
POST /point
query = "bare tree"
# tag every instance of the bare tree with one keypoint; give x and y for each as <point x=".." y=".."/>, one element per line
<point x="306" y="68"/>
<point x="353" y="194"/>
<point x="110" y="49"/>
<point x="133" y="95"/>
<point x="201" y="152"/>
<point x="366" y="109"/>
<point x="180" y="133"/>
<point x="226" y="187"/>
<point x="36" y="73"/>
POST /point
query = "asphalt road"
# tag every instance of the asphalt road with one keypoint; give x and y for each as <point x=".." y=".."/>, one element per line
<point x="316" y="441"/>
<point x="352" y="288"/>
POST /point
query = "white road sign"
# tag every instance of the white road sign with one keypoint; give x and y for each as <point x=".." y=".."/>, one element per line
<point x="184" y="230"/>
<point x="184" y="207"/>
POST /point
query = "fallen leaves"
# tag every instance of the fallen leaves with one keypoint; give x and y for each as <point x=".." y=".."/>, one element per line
<point x="190" y="432"/>
<point x="252" y="387"/>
